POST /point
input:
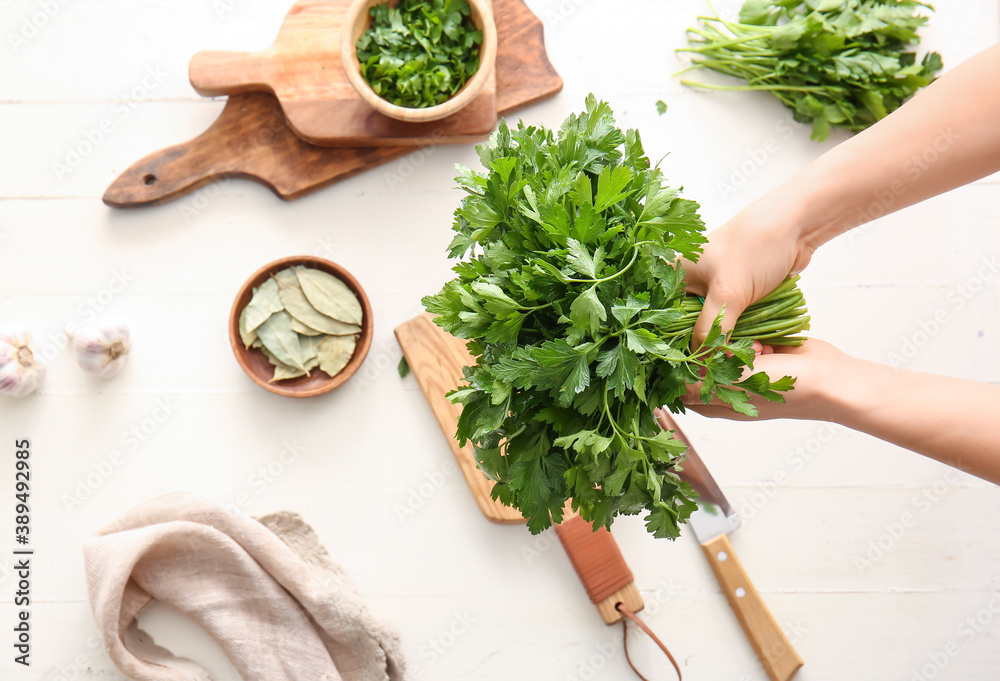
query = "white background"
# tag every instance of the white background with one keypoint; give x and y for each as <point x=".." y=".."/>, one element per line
<point x="367" y="448"/>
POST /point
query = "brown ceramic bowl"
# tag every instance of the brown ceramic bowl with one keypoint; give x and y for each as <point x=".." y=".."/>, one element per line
<point x="357" y="22"/>
<point x="254" y="362"/>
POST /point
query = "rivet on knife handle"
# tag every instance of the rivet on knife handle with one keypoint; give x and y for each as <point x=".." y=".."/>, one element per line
<point x="775" y="652"/>
<point x="712" y="522"/>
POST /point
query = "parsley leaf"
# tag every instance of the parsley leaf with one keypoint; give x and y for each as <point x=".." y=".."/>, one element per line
<point x="572" y="298"/>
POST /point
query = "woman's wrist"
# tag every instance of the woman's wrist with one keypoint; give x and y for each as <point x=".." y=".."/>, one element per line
<point x="790" y="219"/>
<point x="817" y="204"/>
<point x="852" y="390"/>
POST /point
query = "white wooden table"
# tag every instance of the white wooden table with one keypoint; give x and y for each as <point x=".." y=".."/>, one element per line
<point x="367" y="465"/>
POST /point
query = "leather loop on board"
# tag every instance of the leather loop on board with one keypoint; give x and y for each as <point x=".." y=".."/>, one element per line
<point x="649" y="632"/>
<point x="596" y="558"/>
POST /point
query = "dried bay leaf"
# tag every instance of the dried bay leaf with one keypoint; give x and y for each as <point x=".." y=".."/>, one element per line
<point x="270" y="357"/>
<point x="283" y="373"/>
<point x="329" y="295"/>
<point x="249" y="336"/>
<point x="310" y="348"/>
<point x="287" y="278"/>
<point x="335" y="352"/>
<point x="265" y="302"/>
<point x="277" y="336"/>
<point x="307" y="320"/>
<point x="303" y="330"/>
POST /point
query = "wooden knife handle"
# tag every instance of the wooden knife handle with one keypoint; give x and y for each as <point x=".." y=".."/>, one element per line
<point x="773" y="648"/>
<point x="600" y="565"/>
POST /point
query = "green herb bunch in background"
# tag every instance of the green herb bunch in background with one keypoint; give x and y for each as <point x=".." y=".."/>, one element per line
<point x="420" y="52"/>
<point x="839" y="63"/>
<point x="571" y="297"/>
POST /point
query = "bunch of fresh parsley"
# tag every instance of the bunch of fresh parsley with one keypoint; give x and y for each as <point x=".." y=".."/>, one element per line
<point x="832" y="62"/>
<point x="575" y="309"/>
<point x="420" y="52"/>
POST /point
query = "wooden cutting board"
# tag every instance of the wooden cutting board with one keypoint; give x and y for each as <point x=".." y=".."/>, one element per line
<point x="251" y="138"/>
<point x="436" y="359"/>
<point x="303" y="70"/>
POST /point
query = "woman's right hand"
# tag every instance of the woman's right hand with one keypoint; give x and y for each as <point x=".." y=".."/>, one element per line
<point x="743" y="261"/>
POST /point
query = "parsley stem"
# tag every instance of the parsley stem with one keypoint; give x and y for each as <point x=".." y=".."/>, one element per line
<point x="791" y="88"/>
<point x="711" y="44"/>
<point x="611" y="419"/>
<point x="532" y="309"/>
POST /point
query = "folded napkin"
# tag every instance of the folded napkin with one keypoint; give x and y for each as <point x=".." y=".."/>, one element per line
<point x="264" y="588"/>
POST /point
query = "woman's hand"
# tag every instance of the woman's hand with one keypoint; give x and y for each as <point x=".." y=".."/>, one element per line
<point x="821" y="372"/>
<point x="951" y="420"/>
<point x="745" y="259"/>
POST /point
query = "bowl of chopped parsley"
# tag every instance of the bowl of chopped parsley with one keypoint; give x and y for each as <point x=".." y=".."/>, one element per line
<point x="418" y="60"/>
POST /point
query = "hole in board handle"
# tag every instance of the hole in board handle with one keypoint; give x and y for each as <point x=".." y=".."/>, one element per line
<point x="149" y="179"/>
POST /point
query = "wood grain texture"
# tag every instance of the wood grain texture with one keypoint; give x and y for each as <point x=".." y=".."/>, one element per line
<point x="524" y="73"/>
<point x="304" y="71"/>
<point x="628" y="595"/>
<point x="436" y="360"/>
<point x="773" y="649"/>
<point x="251" y="138"/>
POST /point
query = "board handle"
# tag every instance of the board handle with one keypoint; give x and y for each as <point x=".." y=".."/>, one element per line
<point x="160" y="177"/>
<point x="600" y="566"/>
<point x="178" y="170"/>
<point x="774" y="650"/>
<point x="215" y="73"/>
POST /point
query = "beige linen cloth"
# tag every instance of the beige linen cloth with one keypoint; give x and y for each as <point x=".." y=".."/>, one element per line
<point x="265" y="589"/>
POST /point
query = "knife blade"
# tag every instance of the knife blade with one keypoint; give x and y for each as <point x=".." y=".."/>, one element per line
<point x="712" y="523"/>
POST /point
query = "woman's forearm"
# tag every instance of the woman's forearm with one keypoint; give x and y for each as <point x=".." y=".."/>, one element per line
<point x="951" y="420"/>
<point x="947" y="136"/>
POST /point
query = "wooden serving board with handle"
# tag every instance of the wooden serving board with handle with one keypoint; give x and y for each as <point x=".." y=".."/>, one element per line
<point x="436" y="359"/>
<point x="251" y="138"/>
<point x="303" y="70"/>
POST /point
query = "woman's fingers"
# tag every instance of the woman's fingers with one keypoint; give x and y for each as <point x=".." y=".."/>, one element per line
<point x="734" y="304"/>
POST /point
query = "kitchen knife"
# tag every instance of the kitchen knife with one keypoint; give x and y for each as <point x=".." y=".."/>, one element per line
<point x="712" y="523"/>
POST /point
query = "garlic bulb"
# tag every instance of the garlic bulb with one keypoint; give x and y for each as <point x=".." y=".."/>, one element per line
<point x="21" y="373"/>
<point x="101" y="349"/>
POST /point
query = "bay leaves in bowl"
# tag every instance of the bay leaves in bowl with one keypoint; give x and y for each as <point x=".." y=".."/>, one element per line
<point x="307" y="322"/>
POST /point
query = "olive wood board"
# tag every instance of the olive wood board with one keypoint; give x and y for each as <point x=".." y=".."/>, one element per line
<point x="251" y="138"/>
<point x="436" y="359"/>
<point x="304" y="71"/>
